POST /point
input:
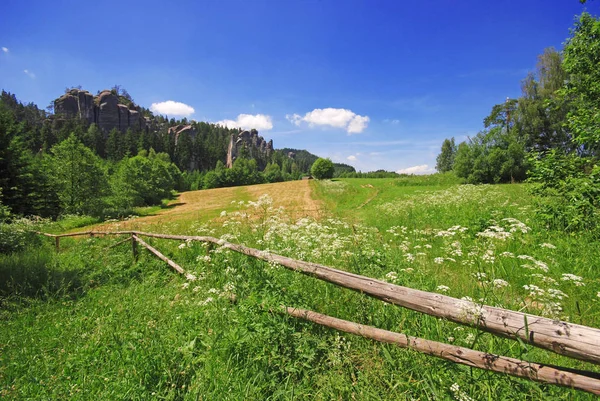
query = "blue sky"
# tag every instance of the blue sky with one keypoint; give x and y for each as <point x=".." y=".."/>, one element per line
<point x="375" y="84"/>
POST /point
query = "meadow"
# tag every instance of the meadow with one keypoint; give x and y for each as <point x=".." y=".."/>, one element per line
<point x="92" y="323"/>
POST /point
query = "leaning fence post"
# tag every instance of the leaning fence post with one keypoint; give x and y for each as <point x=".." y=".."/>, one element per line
<point x="134" y="247"/>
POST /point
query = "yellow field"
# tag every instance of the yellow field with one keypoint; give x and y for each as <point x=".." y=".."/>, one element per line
<point x="205" y="205"/>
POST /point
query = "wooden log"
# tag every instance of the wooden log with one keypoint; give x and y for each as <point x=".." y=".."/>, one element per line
<point x="564" y="338"/>
<point x="581" y="380"/>
<point x="174" y="265"/>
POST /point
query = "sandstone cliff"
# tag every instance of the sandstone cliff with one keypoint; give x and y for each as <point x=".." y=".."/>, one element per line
<point x="255" y="145"/>
<point x="104" y="110"/>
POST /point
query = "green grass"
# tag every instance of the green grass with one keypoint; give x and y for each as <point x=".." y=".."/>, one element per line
<point x="126" y="330"/>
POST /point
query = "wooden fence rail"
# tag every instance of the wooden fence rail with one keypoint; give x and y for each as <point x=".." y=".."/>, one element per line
<point x="586" y="381"/>
<point x="573" y="340"/>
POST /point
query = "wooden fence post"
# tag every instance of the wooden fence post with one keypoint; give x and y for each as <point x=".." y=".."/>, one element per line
<point x="57" y="243"/>
<point x="134" y="247"/>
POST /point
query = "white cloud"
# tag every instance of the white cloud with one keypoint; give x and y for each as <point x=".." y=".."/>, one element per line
<point x="171" y="108"/>
<point x="351" y="158"/>
<point x="5" y="49"/>
<point x="260" y="122"/>
<point x="29" y="74"/>
<point x="337" y="118"/>
<point x="422" y="169"/>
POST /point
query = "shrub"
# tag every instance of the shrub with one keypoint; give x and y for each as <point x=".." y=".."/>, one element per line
<point x="322" y="169"/>
<point x="569" y="190"/>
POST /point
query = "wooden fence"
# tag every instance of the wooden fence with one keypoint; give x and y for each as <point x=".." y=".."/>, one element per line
<point x="572" y="340"/>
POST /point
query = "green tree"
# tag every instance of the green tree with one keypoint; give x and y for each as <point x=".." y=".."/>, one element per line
<point x="94" y="140"/>
<point x="79" y="177"/>
<point x="272" y="173"/>
<point x="322" y="169"/>
<point x="445" y="160"/>
<point x="568" y="184"/>
<point x="115" y="149"/>
<point x="541" y="111"/>
<point x="582" y="64"/>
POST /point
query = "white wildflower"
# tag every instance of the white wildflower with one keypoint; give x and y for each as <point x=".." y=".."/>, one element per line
<point x="442" y="288"/>
<point x="578" y="281"/>
<point x="480" y="276"/>
<point x="499" y="283"/>
<point x="206" y="301"/>
<point x="459" y="395"/>
<point x="547" y="245"/>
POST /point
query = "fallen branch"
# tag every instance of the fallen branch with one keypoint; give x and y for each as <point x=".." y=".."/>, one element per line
<point x="581" y="380"/>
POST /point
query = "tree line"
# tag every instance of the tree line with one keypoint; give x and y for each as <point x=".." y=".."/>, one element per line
<point x="51" y="165"/>
<point x="549" y="136"/>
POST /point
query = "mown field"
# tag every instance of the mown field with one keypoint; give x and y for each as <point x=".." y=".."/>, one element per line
<point x="89" y="323"/>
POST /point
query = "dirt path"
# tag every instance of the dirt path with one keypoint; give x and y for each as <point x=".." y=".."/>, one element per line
<point x="205" y="205"/>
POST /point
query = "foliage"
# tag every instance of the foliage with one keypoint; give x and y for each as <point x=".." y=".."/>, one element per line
<point x="569" y="190"/>
<point x="582" y="63"/>
<point x="272" y="173"/>
<point x="492" y="156"/>
<point x="79" y="176"/>
<point x="568" y="183"/>
<point x="341" y="168"/>
<point x="243" y="172"/>
<point x="18" y="234"/>
<point x="322" y="169"/>
<point x="445" y="160"/>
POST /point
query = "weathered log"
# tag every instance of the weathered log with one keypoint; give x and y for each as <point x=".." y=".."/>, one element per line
<point x="573" y="340"/>
<point x="581" y="380"/>
<point x="564" y="338"/>
<point x="174" y="265"/>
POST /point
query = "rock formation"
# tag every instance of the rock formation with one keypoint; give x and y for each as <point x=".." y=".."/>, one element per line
<point x="182" y="129"/>
<point x="255" y="145"/>
<point x="104" y="110"/>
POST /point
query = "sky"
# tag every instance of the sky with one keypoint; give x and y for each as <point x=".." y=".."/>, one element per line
<point x="375" y="84"/>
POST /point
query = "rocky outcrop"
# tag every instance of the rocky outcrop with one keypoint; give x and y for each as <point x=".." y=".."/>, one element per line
<point x="182" y="129"/>
<point x="76" y="104"/>
<point x="104" y="110"/>
<point x="255" y="145"/>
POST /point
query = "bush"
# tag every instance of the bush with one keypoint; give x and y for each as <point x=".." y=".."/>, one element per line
<point x="569" y="190"/>
<point x="17" y="235"/>
<point x="322" y="169"/>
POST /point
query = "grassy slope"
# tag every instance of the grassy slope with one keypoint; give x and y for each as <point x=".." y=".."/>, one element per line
<point x="138" y="331"/>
